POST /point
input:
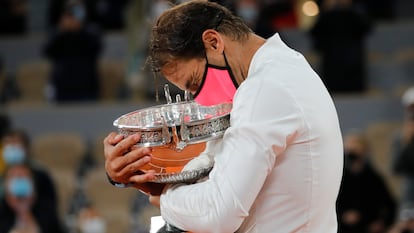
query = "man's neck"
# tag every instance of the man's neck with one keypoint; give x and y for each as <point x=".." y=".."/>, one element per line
<point x="242" y="54"/>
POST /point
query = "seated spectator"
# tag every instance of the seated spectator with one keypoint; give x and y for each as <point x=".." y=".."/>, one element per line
<point x="16" y="151"/>
<point x="365" y="204"/>
<point x="21" y="210"/>
<point x="90" y="220"/>
<point x="19" y="199"/>
<point x="74" y="48"/>
<point x="403" y="149"/>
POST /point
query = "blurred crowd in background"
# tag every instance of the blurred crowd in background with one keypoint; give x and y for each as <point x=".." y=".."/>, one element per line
<point x="57" y="183"/>
<point x="73" y="34"/>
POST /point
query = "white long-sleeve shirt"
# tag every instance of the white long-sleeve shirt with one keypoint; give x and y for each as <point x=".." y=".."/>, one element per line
<point x="279" y="166"/>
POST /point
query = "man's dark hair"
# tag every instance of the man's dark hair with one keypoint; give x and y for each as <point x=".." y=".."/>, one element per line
<point x="177" y="34"/>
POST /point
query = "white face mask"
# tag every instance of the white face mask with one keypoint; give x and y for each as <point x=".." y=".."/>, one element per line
<point x="93" y="225"/>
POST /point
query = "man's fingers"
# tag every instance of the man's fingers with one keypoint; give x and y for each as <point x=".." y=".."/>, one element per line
<point x="113" y="138"/>
<point x="142" y="178"/>
<point x="131" y="168"/>
<point x="125" y="160"/>
<point x="142" y="154"/>
<point x="126" y="144"/>
<point x="133" y="159"/>
<point x="109" y="144"/>
<point x="123" y="168"/>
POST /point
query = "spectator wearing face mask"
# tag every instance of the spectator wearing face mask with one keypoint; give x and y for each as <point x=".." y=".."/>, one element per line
<point x="21" y="210"/>
<point x="90" y="220"/>
<point x="19" y="199"/>
<point x="365" y="204"/>
<point x="16" y="152"/>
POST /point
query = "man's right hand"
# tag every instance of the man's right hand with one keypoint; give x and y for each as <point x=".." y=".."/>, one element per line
<point x="123" y="160"/>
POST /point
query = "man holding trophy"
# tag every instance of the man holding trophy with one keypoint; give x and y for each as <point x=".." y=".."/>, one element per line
<point x="278" y="166"/>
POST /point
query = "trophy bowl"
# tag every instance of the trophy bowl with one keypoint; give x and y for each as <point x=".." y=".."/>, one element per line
<point x="177" y="133"/>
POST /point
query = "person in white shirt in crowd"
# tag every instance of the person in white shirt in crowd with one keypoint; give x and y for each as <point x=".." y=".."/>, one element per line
<point x="279" y="165"/>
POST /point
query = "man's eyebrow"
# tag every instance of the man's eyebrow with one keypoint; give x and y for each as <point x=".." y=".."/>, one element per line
<point x="188" y="84"/>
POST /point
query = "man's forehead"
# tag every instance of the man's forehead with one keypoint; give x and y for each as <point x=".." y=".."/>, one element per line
<point x="176" y="69"/>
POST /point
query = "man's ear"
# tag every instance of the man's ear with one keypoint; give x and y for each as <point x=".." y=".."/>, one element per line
<point x="212" y="40"/>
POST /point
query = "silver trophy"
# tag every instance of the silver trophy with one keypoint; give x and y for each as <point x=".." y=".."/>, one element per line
<point x="177" y="132"/>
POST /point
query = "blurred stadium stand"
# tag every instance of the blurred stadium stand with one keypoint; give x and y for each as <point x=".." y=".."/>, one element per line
<point x="390" y="71"/>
